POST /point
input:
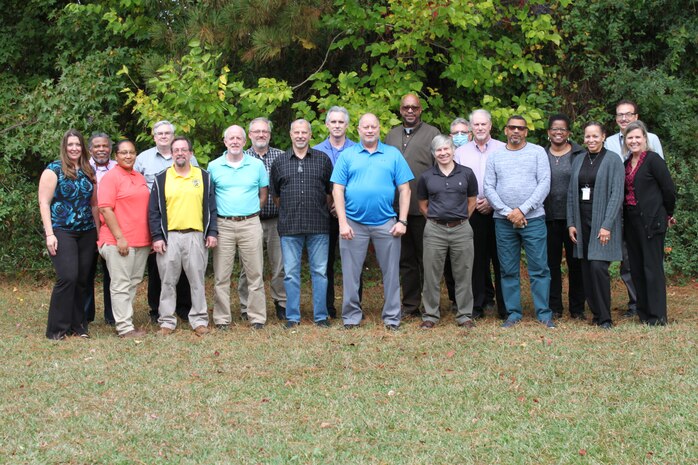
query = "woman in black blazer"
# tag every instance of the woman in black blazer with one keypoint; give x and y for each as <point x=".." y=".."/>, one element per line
<point x="650" y="197"/>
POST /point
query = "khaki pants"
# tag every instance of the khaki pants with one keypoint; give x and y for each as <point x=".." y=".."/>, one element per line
<point x="247" y="236"/>
<point x="126" y="273"/>
<point x="276" y="265"/>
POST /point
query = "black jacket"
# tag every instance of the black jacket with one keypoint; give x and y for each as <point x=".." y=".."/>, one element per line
<point x="655" y="193"/>
<point x="157" y="210"/>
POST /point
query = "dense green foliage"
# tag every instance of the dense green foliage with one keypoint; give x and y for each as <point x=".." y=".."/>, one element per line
<point x="119" y="65"/>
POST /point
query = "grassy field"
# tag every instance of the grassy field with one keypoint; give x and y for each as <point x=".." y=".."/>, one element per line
<point x="573" y="395"/>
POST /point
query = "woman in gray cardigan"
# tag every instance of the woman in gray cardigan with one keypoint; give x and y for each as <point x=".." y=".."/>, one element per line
<point x="594" y="202"/>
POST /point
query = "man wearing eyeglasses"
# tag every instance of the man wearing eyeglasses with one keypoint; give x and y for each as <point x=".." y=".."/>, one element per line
<point x="413" y="139"/>
<point x="517" y="181"/>
<point x="626" y="113"/>
<point x="474" y="155"/>
<point x="460" y="132"/>
<point x="300" y="184"/>
<point x="241" y="184"/>
<point x="260" y="137"/>
<point x="149" y="163"/>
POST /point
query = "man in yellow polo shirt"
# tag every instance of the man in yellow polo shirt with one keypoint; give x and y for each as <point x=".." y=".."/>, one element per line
<point x="183" y="225"/>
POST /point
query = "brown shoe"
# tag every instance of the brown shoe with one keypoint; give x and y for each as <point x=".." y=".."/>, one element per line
<point x="201" y="330"/>
<point x="134" y="333"/>
<point x="165" y="332"/>
<point x="427" y="324"/>
<point x="469" y="324"/>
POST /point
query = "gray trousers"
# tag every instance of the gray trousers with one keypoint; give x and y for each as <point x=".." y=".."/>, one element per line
<point x="185" y="251"/>
<point x="353" y="253"/>
<point x="457" y="242"/>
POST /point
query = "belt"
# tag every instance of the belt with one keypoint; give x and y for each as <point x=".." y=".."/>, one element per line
<point x="239" y="218"/>
<point x="184" y="230"/>
<point x="449" y="224"/>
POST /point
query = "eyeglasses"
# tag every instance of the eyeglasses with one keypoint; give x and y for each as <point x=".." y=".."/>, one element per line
<point x="513" y="127"/>
<point x="558" y="129"/>
<point x="163" y="133"/>
<point x="126" y="152"/>
<point x="260" y="131"/>
<point x="625" y="115"/>
<point x="460" y="133"/>
<point x="184" y="151"/>
<point x="414" y="108"/>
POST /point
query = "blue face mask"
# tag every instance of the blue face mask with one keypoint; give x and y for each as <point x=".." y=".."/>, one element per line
<point x="460" y="139"/>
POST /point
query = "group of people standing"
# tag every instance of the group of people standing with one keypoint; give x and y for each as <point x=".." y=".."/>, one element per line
<point x="433" y="205"/>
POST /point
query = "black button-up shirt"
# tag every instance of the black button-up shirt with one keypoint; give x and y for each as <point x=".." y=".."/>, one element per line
<point x="302" y="186"/>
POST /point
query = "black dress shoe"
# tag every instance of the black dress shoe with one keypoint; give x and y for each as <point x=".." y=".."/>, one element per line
<point x="578" y="316"/>
<point x="606" y="325"/>
<point x="257" y="326"/>
<point x="243" y="316"/>
<point x="291" y="324"/>
<point x="478" y="313"/>
<point x="630" y="313"/>
<point x="323" y="323"/>
<point x="391" y="327"/>
<point x="280" y="311"/>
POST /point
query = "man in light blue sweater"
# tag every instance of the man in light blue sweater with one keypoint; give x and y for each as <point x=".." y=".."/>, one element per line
<point x="517" y="181"/>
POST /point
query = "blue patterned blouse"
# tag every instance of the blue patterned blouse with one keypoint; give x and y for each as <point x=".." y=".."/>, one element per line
<point x="71" y="207"/>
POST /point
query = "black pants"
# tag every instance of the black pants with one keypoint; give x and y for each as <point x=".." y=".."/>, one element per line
<point x="331" y="258"/>
<point x="485" y="243"/>
<point x="183" y="291"/>
<point x="597" y="280"/>
<point x="411" y="268"/>
<point x="559" y="239"/>
<point x="72" y="262"/>
<point x="646" y="256"/>
<point x="90" y="292"/>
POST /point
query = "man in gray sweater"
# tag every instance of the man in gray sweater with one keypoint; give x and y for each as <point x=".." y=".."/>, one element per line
<point x="517" y="181"/>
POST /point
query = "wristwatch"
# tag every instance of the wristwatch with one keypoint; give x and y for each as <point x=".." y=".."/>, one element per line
<point x="404" y="222"/>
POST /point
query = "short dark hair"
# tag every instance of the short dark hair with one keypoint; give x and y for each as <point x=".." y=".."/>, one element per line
<point x="559" y="117"/>
<point x="118" y="145"/>
<point x="185" y="139"/>
<point x="596" y="123"/>
<point x="627" y="102"/>
<point x="517" y="117"/>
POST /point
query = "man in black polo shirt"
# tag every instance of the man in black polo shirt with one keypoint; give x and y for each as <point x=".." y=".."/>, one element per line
<point x="447" y="194"/>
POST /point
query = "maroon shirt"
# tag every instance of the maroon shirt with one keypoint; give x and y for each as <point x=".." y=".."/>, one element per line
<point x="630" y="180"/>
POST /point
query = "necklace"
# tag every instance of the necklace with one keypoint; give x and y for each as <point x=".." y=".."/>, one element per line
<point x="592" y="160"/>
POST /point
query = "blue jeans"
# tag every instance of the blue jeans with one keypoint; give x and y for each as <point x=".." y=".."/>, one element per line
<point x="534" y="240"/>
<point x="292" y="251"/>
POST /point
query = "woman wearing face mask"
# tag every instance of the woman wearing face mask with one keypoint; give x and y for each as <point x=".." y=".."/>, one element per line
<point x="594" y="201"/>
<point x="561" y="153"/>
<point x="650" y="197"/>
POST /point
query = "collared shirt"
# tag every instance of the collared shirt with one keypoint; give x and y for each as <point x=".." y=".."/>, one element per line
<point x="127" y="194"/>
<point x="370" y="180"/>
<point x="447" y="195"/>
<point x="518" y="179"/>
<point x="270" y="210"/>
<point x="150" y="163"/>
<point x="237" y="188"/>
<point x="184" y="197"/>
<point x="331" y="151"/>
<point x="303" y="187"/>
<point x="101" y="170"/>
<point x="471" y="156"/>
<point x="416" y="148"/>
<point x="614" y="143"/>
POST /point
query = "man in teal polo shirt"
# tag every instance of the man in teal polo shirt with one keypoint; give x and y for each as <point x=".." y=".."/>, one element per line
<point x="241" y="183"/>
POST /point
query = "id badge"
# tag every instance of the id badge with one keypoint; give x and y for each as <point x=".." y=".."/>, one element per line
<point x="586" y="193"/>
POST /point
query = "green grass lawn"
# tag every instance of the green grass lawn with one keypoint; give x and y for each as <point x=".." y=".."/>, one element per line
<point x="528" y="395"/>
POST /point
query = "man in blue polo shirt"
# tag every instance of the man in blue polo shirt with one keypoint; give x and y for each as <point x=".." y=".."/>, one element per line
<point x="337" y="122"/>
<point x="365" y="178"/>
<point x="241" y="183"/>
